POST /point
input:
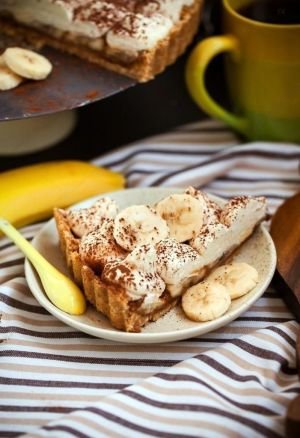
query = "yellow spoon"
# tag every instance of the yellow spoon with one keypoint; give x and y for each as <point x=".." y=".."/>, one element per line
<point x="61" y="291"/>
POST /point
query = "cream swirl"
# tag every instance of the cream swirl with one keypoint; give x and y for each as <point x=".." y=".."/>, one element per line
<point x="99" y="247"/>
<point x="178" y="264"/>
<point x="85" y="220"/>
<point x="136" y="275"/>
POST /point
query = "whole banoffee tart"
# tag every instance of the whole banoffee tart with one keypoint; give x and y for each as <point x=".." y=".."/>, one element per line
<point x="137" y="38"/>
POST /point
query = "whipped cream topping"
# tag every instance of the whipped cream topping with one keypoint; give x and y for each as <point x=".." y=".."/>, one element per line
<point x="99" y="247"/>
<point x="107" y="206"/>
<point x="136" y="275"/>
<point x="85" y="220"/>
<point x="211" y="210"/>
<point x="208" y="234"/>
<point x="169" y="8"/>
<point x="126" y="25"/>
<point x="138" y="32"/>
<point x="58" y="14"/>
<point x="237" y="220"/>
<point x="99" y="17"/>
<point x="237" y="207"/>
<point x="177" y="263"/>
<point x="213" y="227"/>
<point x="143" y="257"/>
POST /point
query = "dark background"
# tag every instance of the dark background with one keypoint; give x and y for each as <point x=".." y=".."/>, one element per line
<point x="140" y="111"/>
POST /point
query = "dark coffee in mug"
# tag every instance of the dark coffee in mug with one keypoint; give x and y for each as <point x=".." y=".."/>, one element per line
<point x="272" y="11"/>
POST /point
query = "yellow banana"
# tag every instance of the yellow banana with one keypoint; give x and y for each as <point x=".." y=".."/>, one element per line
<point x="30" y="193"/>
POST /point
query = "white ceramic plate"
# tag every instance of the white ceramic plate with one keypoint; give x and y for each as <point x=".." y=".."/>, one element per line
<point x="258" y="251"/>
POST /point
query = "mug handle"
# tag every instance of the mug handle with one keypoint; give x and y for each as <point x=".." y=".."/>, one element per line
<point x="196" y="67"/>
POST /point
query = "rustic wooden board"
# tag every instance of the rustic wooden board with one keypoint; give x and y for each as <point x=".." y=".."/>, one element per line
<point x="285" y="231"/>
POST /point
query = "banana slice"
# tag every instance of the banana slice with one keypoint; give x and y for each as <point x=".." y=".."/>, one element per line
<point x="139" y="225"/>
<point x="8" y="79"/>
<point x="27" y="63"/>
<point x="206" y="301"/>
<point x="238" y="278"/>
<point x="184" y="215"/>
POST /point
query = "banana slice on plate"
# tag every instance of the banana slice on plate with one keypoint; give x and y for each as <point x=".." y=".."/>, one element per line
<point x="27" y="63"/>
<point x="183" y="214"/>
<point x="139" y="225"/>
<point x="238" y="278"/>
<point x="8" y="79"/>
<point x="206" y="301"/>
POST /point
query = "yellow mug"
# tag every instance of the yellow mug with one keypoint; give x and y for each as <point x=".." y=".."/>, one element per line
<point x="263" y="75"/>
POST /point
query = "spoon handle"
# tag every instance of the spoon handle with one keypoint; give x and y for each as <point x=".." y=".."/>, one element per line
<point x="30" y="252"/>
<point x="61" y="291"/>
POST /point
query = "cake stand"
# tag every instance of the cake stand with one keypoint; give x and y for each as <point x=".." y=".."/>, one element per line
<point x="38" y="114"/>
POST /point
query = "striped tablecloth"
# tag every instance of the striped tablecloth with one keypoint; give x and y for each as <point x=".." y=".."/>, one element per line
<point x="236" y="381"/>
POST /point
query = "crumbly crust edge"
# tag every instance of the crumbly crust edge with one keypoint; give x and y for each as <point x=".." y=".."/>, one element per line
<point x="122" y="312"/>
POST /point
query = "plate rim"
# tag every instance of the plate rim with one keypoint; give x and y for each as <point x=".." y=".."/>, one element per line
<point x="34" y="285"/>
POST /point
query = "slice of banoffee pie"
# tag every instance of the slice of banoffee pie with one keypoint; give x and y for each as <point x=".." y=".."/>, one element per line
<point x="134" y="264"/>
